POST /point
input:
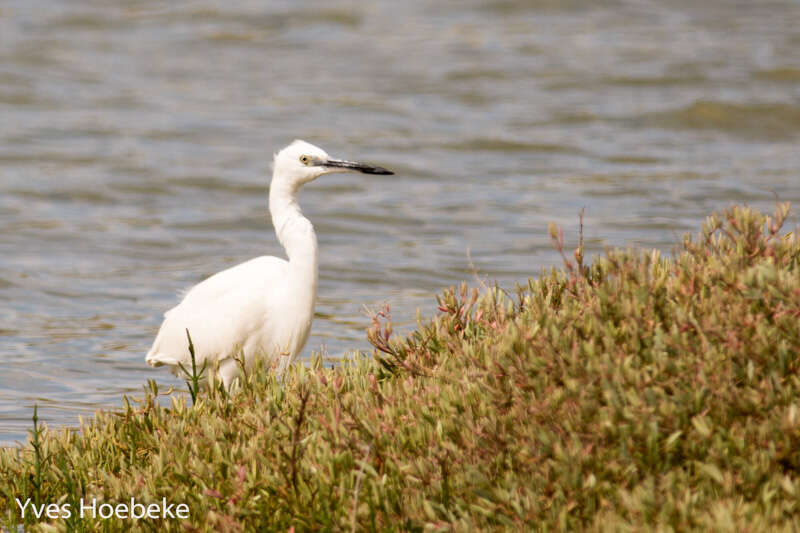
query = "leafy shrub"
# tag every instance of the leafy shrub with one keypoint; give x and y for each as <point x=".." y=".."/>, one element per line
<point x="638" y="392"/>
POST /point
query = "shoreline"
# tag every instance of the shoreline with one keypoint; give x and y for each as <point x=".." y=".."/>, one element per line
<point x="636" y="392"/>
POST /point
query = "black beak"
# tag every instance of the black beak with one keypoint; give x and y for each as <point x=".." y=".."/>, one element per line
<point x="354" y="165"/>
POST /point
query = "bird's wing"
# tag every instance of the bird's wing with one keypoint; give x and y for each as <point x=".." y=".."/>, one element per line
<point x="220" y="313"/>
<point x="254" y="271"/>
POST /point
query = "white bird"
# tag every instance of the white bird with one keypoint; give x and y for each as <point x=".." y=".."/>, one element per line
<point x="262" y="307"/>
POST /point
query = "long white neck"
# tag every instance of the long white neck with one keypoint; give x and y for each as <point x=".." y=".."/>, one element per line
<point x="295" y="233"/>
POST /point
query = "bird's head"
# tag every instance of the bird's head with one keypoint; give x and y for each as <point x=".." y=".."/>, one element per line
<point x="301" y="162"/>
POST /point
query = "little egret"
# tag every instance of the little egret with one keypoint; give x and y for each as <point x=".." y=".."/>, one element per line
<point x="262" y="307"/>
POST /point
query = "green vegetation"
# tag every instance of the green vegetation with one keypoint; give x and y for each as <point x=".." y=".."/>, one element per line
<point x="640" y="392"/>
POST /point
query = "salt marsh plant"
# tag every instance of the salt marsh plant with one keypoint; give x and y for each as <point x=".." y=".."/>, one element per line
<point x="638" y="392"/>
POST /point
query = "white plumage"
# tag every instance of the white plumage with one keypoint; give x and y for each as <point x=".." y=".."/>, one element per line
<point x="262" y="307"/>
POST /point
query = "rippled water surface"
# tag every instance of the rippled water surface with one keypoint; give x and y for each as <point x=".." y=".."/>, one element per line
<point x="136" y="139"/>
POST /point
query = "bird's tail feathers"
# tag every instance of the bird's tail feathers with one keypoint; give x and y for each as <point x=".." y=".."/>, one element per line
<point x="159" y="359"/>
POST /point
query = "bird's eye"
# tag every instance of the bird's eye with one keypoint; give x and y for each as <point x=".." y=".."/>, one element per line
<point x="305" y="159"/>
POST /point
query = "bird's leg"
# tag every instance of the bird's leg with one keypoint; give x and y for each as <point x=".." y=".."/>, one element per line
<point x="283" y="365"/>
<point x="228" y="372"/>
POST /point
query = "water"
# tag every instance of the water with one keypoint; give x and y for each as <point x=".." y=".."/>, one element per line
<point x="136" y="137"/>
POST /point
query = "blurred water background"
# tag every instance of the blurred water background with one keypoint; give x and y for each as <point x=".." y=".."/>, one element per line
<point x="136" y="139"/>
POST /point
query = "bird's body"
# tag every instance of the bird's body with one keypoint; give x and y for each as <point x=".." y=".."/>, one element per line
<point x="262" y="308"/>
